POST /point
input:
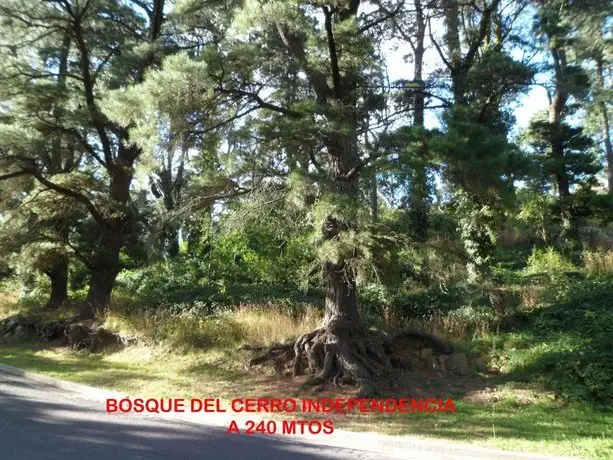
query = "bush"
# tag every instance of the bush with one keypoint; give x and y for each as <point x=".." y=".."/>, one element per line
<point x="580" y="364"/>
<point x="550" y="262"/>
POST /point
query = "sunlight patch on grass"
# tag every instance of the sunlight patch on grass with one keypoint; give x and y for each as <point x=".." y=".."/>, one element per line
<point x="531" y="421"/>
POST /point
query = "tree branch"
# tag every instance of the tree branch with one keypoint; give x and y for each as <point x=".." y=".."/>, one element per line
<point x="261" y="102"/>
<point x="81" y="198"/>
<point x="14" y="174"/>
<point x="336" y="74"/>
<point x="296" y="49"/>
<point x="388" y="15"/>
<point x="98" y="118"/>
<point x="437" y="46"/>
<point x="483" y="27"/>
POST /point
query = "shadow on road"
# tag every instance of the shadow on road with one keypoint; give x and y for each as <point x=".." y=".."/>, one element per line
<point x="35" y="427"/>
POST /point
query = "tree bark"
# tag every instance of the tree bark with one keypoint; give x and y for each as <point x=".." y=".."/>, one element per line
<point x="606" y="128"/>
<point x="454" y="49"/>
<point x="119" y="160"/>
<point x="341" y="300"/>
<point x="104" y="270"/>
<point x="58" y="275"/>
<point x="106" y="262"/>
<point x="420" y="192"/>
<point x="556" y="114"/>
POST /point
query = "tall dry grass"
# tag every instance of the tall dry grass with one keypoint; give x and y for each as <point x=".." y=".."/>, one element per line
<point x="9" y="303"/>
<point x="257" y="324"/>
<point x="598" y="262"/>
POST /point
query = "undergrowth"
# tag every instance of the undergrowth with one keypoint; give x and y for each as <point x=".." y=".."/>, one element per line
<point x="546" y="320"/>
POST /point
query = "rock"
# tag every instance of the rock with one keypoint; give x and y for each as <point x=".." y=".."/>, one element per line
<point x="51" y="331"/>
<point x="101" y="339"/>
<point x="413" y="364"/>
<point x="429" y="362"/>
<point x="78" y="336"/>
<point x="441" y="361"/>
<point x="480" y="363"/>
<point x="458" y="363"/>
<point x="11" y="324"/>
<point x="21" y="332"/>
<point x="426" y="353"/>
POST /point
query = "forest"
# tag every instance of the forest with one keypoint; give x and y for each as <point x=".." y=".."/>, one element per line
<point x="353" y="195"/>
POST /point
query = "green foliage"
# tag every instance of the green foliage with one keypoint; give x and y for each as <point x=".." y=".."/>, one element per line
<point x="578" y="161"/>
<point x="477" y="223"/>
<point x="569" y="341"/>
<point x="537" y="212"/>
<point x="225" y="158"/>
<point x="550" y="262"/>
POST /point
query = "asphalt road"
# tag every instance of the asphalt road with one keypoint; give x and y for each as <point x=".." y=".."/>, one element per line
<point x="39" y="421"/>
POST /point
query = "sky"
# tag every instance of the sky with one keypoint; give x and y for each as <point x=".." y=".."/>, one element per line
<point x="527" y="105"/>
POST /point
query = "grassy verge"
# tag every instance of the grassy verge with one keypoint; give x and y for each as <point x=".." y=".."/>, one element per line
<point x="549" y="389"/>
<point x="512" y="418"/>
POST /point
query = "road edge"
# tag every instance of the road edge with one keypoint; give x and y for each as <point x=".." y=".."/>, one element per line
<point x="377" y="442"/>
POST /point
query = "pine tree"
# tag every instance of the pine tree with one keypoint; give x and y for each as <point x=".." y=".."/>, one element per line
<point x="111" y="47"/>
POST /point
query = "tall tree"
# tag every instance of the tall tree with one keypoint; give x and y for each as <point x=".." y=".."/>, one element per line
<point x="474" y="149"/>
<point x="306" y="71"/>
<point x="409" y="21"/>
<point x="114" y="44"/>
<point x="569" y="161"/>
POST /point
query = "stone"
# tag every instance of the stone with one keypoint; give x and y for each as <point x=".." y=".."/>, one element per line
<point x="458" y="363"/>
<point x="78" y="336"/>
<point x="413" y="364"/>
<point x="441" y="361"/>
<point x="426" y="353"/>
<point x="480" y="363"/>
<point x="23" y="332"/>
<point x="11" y="324"/>
<point x="429" y="362"/>
<point x="101" y="339"/>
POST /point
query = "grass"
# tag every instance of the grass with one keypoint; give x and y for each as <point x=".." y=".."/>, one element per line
<point x="548" y="338"/>
<point x="598" y="263"/>
<point x="536" y="422"/>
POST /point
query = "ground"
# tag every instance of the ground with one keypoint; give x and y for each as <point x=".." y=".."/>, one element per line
<point x="546" y="388"/>
<point x="489" y="412"/>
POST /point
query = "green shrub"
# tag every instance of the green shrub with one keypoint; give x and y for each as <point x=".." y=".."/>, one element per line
<point x="550" y="262"/>
<point x="568" y="342"/>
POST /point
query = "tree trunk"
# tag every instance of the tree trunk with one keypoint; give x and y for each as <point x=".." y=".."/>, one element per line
<point x="374" y="197"/>
<point x="106" y="262"/>
<point x="58" y="275"/>
<point x="608" y="145"/>
<point x="104" y="271"/>
<point x="170" y="232"/>
<point x="556" y="113"/>
<point x="556" y="116"/>
<point x="606" y="128"/>
<point x="419" y="198"/>
<point x="454" y="49"/>
<point x="172" y="241"/>
<point x="341" y="301"/>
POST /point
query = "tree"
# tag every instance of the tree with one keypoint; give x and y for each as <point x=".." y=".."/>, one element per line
<point x="32" y="226"/>
<point x="304" y="70"/>
<point x="474" y="148"/>
<point x="568" y="160"/>
<point x="592" y="46"/>
<point x="112" y="46"/>
<point x="409" y="23"/>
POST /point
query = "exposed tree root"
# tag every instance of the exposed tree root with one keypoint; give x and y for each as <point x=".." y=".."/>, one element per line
<point x="340" y="355"/>
<point x="68" y="331"/>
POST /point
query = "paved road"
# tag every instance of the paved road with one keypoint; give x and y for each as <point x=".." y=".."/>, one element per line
<point x="39" y="421"/>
